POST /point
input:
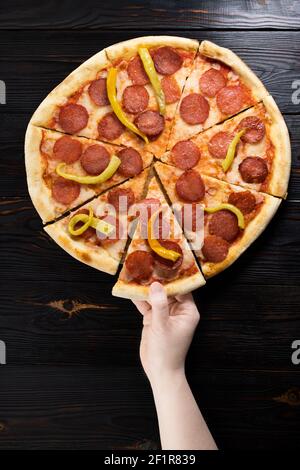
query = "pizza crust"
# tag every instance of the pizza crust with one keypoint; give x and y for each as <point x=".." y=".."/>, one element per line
<point x="84" y="73"/>
<point x="126" y="49"/>
<point x="251" y="233"/>
<point x="100" y="260"/>
<point x="227" y="56"/>
<point x="279" y="134"/>
<point x="177" y="287"/>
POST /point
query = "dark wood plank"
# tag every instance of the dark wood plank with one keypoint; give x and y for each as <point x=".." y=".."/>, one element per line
<point x="157" y="15"/>
<point x="55" y="323"/>
<point x="39" y="60"/>
<point x="102" y="408"/>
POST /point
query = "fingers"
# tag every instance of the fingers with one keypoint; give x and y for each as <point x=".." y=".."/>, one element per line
<point x="159" y="302"/>
<point x="184" y="298"/>
<point x="188" y="305"/>
<point x="142" y="306"/>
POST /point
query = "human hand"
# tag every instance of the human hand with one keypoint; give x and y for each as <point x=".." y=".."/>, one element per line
<point x="169" y="325"/>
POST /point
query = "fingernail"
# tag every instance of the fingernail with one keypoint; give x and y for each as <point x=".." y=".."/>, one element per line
<point x="155" y="287"/>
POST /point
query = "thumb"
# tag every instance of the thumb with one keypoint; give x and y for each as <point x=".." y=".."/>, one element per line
<point x="159" y="302"/>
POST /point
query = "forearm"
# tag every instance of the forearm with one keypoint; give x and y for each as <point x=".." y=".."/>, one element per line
<point x="181" y="424"/>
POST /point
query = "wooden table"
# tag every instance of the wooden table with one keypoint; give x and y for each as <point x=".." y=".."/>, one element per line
<point x="73" y="379"/>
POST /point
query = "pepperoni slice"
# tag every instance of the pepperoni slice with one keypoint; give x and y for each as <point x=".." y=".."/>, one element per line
<point x="90" y="231"/>
<point x="253" y="170"/>
<point x="67" y="149"/>
<point x="211" y="82"/>
<point x="140" y="265"/>
<point x="230" y="99"/>
<point x="136" y="72"/>
<point x="190" y="186"/>
<point x="95" y="159"/>
<point x="224" y="224"/>
<point x="73" y="117"/>
<point x="166" y="60"/>
<point x="135" y="99"/>
<point x="218" y="144"/>
<point x="150" y="123"/>
<point x="121" y="205"/>
<point x="215" y="249"/>
<point x="166" y="267"/>
<point x="98" y="93"/>
<point x="110" y="127"/>
<point x="255" y="129"/>
<point x="194" y="109"/>
<point x="131" y="162"/>
<point x="171" y="89"/>
<point x="65" y="191"/>
<point x="243" y="200"/>
<point x="185" y="154"/>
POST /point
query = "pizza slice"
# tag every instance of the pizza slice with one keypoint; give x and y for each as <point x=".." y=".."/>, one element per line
<point x="251" y="149"/>
<point x="97" y="233"/>
<point x="158" y="252"/>
<point x="151" y="72"/>
<point x="232" y="217"/>
<point x="219" y="86"/>
<point x="128" y="114"/>
<point x="64" y="171"/>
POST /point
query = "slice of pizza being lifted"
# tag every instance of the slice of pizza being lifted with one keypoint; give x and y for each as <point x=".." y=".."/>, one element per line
<point x="233" y="216"/>
<point x="219" y="86"/>
<point x="65" y="171"/>
<point x="97" y="233"/>
<point x="158" y="252"/>
<point x="251" y="149"/>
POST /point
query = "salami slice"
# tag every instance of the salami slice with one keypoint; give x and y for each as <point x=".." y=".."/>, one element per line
<point x="230" y="99"/>
<point x="253" y="170"/>
<point x="73" y="117"/>
<point x="218" y="144"/>
<point x="139" y="265"/>
<point x="185" y="154"/>
<point x="110" y="128"/>
<point x="243" y="200"/>
<point x="131" y="162"/>
<point x="255" y="129"/>
<point x="224" y="224"/>
<point x="65" y="191"/>
<point x="121" y="198"/>
<point x="191" y="217"/>
<point x="67" y="149"/>
<point x="95" y="159"/>
<point x="171" y="89"/>
<point x="98" y="93"/>
<point x="211" y="82"/>
<point x="136" y="72"/>
<point x="166" y="267"/>
<point x="135" y="99"/>
<point x="215" y="249"/>
<point x="166" y="60"/>
<point x="150" y="123"/>
<point x="117" y="233"/>
<point x="194" y="109"/>
<point x="190" y="186"/>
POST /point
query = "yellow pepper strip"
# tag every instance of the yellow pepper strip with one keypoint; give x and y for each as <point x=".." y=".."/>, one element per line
<point x="104" y="176"/>
<point x="112" y="96"/>
<point x="153" y="77"/>
<point x="228" y="207"/>
<point x="89" y="220"/>
<point x="227" y="162"/>
<point x="156" y="246"/>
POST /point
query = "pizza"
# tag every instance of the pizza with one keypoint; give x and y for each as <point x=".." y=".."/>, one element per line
<point x="144" y="264"/>
<point x="96" y="246"/>
<point x="165" y="153"/>
<point x="223" y="239"/>
<point x="262" y="155"/>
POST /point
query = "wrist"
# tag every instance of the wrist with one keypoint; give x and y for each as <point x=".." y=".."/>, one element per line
<point x="166" y="379"/>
